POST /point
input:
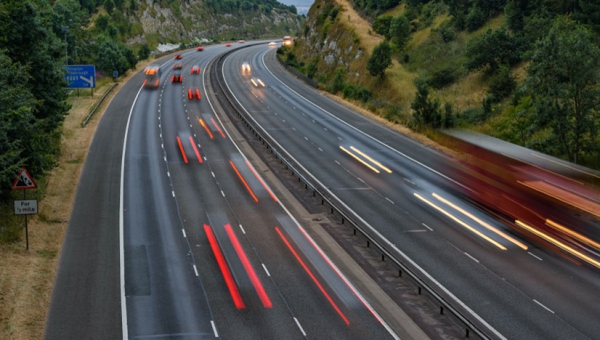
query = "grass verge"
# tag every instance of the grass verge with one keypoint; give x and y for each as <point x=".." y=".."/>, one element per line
<point x="27" y="276"/>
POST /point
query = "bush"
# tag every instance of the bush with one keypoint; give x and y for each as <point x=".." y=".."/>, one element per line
<point x="144" y="52"/>
<point x="502" y="84"/>
<point x="475" y="19"/>
<point x="357" y="92"/>
<point x="427" y="110"/>
<point x="311" y="69"/>
<point x="443" y="77"/>
<point x="338" y="80"/>
<point x="474" y="116"/>
<point x="395" y="114"/>
<point x="447" y="33"/>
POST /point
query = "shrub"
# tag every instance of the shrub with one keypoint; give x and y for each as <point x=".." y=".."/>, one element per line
<point x="443" y="77"/>
<point x="427" y="110"/>
<point x="475" y="19"/>
<point x="502" y="84"/>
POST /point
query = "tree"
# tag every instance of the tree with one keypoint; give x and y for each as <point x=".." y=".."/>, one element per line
<point x="380" y="60"/>
<point x="27" y="39"/>
<point x="143" y="52"/>
<point x="109" y="6"/>
<point x="16" y="118"/>
<point x="102" y="21"/>
<point x="381" y="25"/>
<point x="490" y="50"/>
<point x="400" y="31"/>
<point x="563" y="80"/>
<point x="427" y="111"/>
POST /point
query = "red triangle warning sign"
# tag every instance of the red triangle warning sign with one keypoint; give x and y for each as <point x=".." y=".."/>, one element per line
<point x="24" y="181"/>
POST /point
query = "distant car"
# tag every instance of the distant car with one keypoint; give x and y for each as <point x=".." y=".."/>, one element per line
<point x="194" y="94"/>
<point x="241" y="41"/>
<point x="200" y="48"/>
<point x="257" y="82"/>
<point x="176" y="77"/>
<point x="178" y="56"/>
<point x="272" y="44"/>
<point x="246" y="67"/>
<point x="177" y="66"/>
<point x="228" y="44"/>
<point x="195" y="69"/>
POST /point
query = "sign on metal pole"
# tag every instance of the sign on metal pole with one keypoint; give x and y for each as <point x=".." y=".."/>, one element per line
<point x="26" y="207"/>
<point x="80" y="76"/>
<point x="24" y="181"/>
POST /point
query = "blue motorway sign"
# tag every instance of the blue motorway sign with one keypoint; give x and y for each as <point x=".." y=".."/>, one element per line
<point x="80" y="76"/>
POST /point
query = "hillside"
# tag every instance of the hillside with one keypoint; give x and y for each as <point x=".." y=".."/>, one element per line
<point x="189" y="22"/>
<point x="475" y="65"/>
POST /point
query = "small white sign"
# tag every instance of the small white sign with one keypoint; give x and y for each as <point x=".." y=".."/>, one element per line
<point x="26" y="207"/>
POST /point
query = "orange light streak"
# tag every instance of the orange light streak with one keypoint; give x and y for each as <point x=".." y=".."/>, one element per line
<point x="196" y="149"/>
<point x="313" y="277"/>
<point x="261" y="181"/>
<point x="372" y="160"/>
<point x="206" y="128"/>
<point x="244" y="181"/>
<point x="559" y="244"/>
<point x="360" y="160"/>
<point x="182" y="151"/>
<point x="455" y="219"/>
<point x="217" y="127"/>
<point x="260" y="290"/>
<point x="483" y="223"/>
<point x="233" y="289"/>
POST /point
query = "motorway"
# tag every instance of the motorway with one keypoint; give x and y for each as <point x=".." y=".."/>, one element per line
<point x="513" y="286"/>
<point x="180" y="232"/>
<point x="207" y="247"/>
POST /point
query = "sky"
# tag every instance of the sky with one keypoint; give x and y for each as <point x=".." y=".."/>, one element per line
<point x="301" y="5"/>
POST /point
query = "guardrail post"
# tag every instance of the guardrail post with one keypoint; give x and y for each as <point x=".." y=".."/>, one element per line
<point x="399" y="272"/>
<point x="441" y="309"/>
<point x="382" y="257"/>
<point x="419" y="290"/>
<point x="467" y="335"/>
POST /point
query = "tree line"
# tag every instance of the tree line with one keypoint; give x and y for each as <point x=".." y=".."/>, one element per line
<point x="37" y="38"/>
<point x="555" y="109"/>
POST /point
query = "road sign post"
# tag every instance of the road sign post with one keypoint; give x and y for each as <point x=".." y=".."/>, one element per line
<point x="25" y="207"/>
<point x="81" y="77"/>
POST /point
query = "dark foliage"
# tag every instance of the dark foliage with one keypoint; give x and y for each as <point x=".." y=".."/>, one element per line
<point x="380" y="60"/>
<point x="426" y="110"/>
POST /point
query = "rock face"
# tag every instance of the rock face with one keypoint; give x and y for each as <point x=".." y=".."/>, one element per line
<point x="329" y="43"/>
<point x="192" y="20"/>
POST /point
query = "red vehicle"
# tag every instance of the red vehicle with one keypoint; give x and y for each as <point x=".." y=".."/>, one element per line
<point x="228" y="44"/>
<point x="195" y="69"/>
<point x="178" y="56"/>
<point x="176" y="78"/>
<point x="177" y="66"/>
<point x="200" y="48"/>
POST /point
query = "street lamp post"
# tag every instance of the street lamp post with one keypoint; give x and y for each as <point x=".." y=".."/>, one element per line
<point x="64" y="29"/>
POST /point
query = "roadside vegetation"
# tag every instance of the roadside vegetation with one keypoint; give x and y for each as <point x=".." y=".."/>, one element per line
<point x="524" y="71"/>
